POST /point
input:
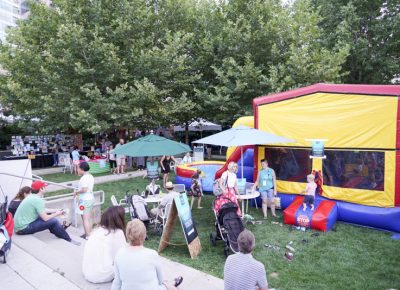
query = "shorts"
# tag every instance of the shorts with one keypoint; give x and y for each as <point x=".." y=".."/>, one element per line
<point x="121" y="162"/>
<point x="85" y="206"/>
<point x="76" y="162"/>
<point x="267" y="194"/>
<point x="309" y="199"/>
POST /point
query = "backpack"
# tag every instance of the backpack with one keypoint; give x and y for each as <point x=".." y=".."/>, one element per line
<point x="217" y="190"/>
<point x="5" y="243"/>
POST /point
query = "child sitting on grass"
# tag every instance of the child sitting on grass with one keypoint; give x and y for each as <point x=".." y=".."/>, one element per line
<point x="309" y="192"/>
<point x="195" y="189"/>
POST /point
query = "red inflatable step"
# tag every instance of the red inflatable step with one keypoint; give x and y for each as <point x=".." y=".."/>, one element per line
<point x="289" y="214"/>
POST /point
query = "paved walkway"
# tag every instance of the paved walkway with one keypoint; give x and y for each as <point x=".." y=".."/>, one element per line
<point x="98" y="179"/>
<point x="43" y="262"/>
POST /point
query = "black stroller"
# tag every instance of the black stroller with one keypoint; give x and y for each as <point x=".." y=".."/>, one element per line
<point x="228" y="226"/>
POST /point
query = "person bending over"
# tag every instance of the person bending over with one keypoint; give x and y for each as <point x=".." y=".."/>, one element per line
<point x="32" y="216"/>
<point x="196" y="189"/>
<point x="242" y="271"/>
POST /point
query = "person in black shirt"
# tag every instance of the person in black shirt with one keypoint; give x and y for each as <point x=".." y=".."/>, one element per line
<point x="14" y="204"/>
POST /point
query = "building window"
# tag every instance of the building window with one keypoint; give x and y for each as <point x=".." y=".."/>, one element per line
<point x="289" y="164"/>
<point x="354" y="169"/>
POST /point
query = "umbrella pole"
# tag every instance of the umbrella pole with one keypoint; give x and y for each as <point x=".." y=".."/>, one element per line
<point x="241" y="151"/>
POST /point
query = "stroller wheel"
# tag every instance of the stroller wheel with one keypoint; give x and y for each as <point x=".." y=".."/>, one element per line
<point x="213" y="238"/>
<point x="226" y="251"/>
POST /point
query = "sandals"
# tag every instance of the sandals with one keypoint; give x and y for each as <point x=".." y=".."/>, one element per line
<point x="66" y="225"/>
<point x="178" y="281"/>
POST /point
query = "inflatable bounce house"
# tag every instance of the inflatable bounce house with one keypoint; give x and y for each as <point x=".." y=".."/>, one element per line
<point x="361" y="171"/>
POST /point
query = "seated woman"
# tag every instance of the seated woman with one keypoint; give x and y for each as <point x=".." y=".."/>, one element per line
<point x="14" y="204"/>
<point x="103" y="245"/>
<point x="228" y="184"/>
<point x="137" y="267"/>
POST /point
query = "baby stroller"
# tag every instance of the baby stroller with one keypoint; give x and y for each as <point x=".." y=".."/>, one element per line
<point x="6" y="230"/>
<point x="138" y="208"/>
<point x="228" y="226"/>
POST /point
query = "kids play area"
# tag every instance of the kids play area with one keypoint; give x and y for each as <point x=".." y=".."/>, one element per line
<point x="361" y="168"/>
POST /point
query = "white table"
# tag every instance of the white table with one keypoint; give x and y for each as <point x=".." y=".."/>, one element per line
<point x="154" y="198"/>
<point x="246" y="197"/>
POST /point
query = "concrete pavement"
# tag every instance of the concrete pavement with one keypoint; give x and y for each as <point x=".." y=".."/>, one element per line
<point x="98" y="179"/>
<point x="42" y="261"/>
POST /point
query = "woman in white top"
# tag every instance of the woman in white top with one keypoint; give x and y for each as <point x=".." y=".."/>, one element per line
<point x="103" y="245"/>
<point x="229" y="186"/>
<point x="86" y="197"/>
<point x="137" y="267"/>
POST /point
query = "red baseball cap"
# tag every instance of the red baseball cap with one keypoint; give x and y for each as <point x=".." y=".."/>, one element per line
<point x="38" y="185"/>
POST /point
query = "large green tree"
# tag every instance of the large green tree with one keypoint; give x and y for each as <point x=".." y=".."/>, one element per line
<point x="371" y="29"/>
<point x="95" y="65"/>
<point x="267" y="47"/>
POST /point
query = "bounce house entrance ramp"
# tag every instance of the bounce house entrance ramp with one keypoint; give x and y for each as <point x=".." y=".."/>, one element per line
<point x="322" y="218"/>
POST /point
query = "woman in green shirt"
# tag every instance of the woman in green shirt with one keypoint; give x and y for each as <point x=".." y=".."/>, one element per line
<point x="266" y="182"/>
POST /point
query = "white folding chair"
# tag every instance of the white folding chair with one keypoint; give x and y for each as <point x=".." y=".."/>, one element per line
<point x="164" y="214"/>
<point x="68" y="165"/>
<point x="122" y="203"/>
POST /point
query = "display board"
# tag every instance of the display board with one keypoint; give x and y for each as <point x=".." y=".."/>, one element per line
<point x="181" y="209"/>
<point x="22" y="145"/>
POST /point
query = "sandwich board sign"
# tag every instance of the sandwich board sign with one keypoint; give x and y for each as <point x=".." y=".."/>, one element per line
<point x="180" y="209"/>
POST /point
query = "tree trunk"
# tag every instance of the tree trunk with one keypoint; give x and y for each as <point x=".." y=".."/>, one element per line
<point x="187" y="133"/>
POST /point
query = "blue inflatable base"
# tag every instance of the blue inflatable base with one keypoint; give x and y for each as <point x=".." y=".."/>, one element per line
<point x="369" y="216"/>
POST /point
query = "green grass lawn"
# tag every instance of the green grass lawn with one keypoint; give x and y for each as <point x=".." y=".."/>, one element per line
<point x="350" y="258"/>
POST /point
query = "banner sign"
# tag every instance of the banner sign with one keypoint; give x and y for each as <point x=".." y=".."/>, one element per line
<point x="317" y="148"/>
<point x="185" y="216"/>
<point x="181" y="210"/>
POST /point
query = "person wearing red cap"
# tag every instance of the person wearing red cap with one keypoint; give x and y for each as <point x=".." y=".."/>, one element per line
<point x="32" y="216"/>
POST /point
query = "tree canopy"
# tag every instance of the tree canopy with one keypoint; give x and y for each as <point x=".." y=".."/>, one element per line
<point x="91" y="66"/>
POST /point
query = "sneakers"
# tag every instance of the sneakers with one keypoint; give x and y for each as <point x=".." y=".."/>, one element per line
<point x="76" y="243"/>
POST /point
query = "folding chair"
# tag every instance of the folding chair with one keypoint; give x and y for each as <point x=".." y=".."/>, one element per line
<point x="162" y="217"/>
<point x="122" y="203"/>
<point x="152" y="169"/>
